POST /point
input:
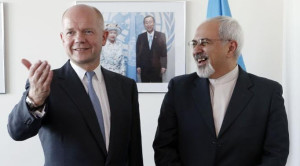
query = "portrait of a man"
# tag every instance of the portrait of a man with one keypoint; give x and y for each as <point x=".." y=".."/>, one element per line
<point x="151" y="52"/>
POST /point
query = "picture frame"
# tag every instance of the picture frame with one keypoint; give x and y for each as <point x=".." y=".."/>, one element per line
<point x="169" y="20"/>
<point x="2" y="58"/>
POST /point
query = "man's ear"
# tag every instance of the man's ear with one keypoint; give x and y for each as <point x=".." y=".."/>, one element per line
<point x="104" y="37"/>
<point x="62" y="37"/>
<point x="232" y="48"/>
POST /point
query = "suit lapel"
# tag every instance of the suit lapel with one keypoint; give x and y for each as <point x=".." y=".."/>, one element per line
<point x="240" y="98"/>
<point x="155" y="38"/>
<point x="113" y="94"/>
<point x="76" y="91"/>
<point x="146" y="42"/>
<point x="201" y="96"/>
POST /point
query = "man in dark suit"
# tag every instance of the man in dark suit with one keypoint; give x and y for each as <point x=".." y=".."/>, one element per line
<point x="151" y="53"/>
<point x="61" y="105"/>
<point x="221" y="115"/>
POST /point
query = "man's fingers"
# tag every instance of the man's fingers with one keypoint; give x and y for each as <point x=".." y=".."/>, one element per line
<point x="40" y="77"/>
<point x="39" y="69"/>
<point x="44" y="71"/>
<point x="26" y="63"/>
<point x="49" y="79"/>
<point x="33" y="68"/>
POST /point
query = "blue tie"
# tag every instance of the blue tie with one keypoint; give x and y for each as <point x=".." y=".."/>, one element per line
<point x="150" y="41"/>
<point x="95" y="101"/>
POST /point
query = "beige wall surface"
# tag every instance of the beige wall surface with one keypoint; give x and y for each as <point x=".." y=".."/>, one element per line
<point x="32" y="30"/>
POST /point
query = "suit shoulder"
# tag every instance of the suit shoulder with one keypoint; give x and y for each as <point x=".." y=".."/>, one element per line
<point x="160" y="33"/>
<point x="123" y="78"/>
<point x="262" y="81"/>
<point x="120" y="82"/>
<point x="57" y="73"/>
<point x="184" y="79"/>
<point x="117" y="77"/>
<point x="63" y="70"/>
<point x="141" y="34"/>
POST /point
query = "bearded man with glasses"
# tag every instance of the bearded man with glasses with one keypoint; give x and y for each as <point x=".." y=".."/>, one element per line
<point x="221" y="115"/>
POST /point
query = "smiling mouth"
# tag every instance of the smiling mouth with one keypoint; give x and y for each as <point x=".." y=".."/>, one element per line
<point x="201" y="60"/>
<point x="80" y="49"/>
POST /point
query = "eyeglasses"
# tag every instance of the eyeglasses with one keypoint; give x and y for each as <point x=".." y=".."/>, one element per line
<point x="203" y="42"/>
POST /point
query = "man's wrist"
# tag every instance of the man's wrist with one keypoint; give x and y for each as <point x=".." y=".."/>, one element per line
<point x="33" y="106"/>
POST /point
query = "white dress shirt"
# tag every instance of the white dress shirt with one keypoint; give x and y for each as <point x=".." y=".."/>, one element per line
<point x="100" y="89"/>
<point x="150" y="35"/>
<point x="220" y="93"/>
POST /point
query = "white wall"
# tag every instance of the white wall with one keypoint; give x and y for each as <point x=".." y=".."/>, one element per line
<point x="291" y="77"/>
<point x="32" y="30"/>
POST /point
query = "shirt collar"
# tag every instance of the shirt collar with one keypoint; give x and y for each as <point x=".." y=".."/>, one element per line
<point x="232" y="75"/>
<point x="81" y="72"/>
<point x="152" y="33"/>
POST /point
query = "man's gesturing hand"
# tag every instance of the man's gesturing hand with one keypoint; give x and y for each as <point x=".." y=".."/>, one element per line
<point x="40" y="77"/>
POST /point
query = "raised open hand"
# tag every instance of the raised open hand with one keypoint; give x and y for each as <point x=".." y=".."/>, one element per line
<point x="40" y="77"/>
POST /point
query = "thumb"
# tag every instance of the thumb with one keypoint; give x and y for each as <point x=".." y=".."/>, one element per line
<point x="26" y="63"/>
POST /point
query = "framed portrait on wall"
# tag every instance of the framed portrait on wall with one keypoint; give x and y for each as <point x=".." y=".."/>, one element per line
<point x="146" y="41"/>
<point x="2" y="64"/>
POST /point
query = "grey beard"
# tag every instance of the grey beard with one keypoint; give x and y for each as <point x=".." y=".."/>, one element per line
<point x="205" y="71"/>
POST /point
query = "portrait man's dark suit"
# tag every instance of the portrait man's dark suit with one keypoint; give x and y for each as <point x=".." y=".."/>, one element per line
<point x="151" y="60"/>
<point x="69" y="131"/>
<point x="254" y="131"/>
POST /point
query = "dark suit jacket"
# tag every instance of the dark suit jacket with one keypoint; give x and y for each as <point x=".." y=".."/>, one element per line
<point x="156" y="58"/>
<point x="254" y="131"/>
<point x="69" y="131"/>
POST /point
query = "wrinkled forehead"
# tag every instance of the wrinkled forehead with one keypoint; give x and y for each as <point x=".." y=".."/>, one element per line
<point x="208" y="30"/>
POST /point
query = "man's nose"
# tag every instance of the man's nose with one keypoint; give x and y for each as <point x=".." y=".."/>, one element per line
<point x="80" y="38"/>
<point x="197" y="49"/>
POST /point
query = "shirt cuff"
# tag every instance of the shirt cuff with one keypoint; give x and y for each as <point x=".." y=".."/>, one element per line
<point x="39" y="113"/>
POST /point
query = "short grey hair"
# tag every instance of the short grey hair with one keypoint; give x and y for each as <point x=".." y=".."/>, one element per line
<point x="230" y="29"/>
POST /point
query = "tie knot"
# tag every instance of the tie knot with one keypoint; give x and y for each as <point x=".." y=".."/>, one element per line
<point x="89" y="75"/>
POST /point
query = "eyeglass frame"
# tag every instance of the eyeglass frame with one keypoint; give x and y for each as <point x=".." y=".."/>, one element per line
<point x="203" y="42"/>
